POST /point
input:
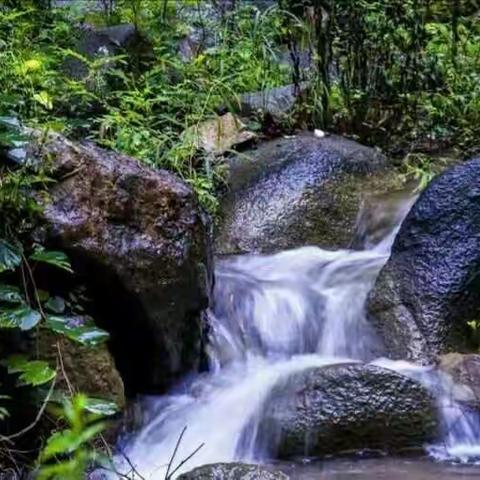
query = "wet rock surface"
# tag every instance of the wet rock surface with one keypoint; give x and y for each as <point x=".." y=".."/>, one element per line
<point x="139" y="240"/>
<point x="298" y="191"/>
<point x="346" y="408"/>
<point x="233" y="471"/>
<point x="88" y="370"/>
<point x="429" y="289"/>
<point x="465" y="373"/>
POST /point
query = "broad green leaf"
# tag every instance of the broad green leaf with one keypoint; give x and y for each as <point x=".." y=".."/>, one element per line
<point x="10" y="256"/>
<point x="101" y="407"/>
<point x="67" y="441"/>
<point x="10" y="294"/>
<point x="32" y="373"/>
<point x="79" y="329"/>
<point x="57" y="259"/>
<point x="65" y="469"/>
<point x="22" y="317"/>
<point x="62" y="442"/>
<point x="72" y="469"/>
<point x="55" y="305"/>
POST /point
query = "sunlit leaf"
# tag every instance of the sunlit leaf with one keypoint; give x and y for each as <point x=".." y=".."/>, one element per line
<point x="101" y="407"/>
<point x="67" y="441"/>
<point x="10" y="256"/>
<point x="32" y="65"/>
<point x="22" y="317"/>
<point x="78" y="328"/>
<point x="32" y="373"/>
<point x="57" y="259"/>
<point x="44" y="99"/>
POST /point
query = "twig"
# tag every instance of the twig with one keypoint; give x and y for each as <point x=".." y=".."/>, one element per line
<point x="64" y="373"/>
<point x="9" y="438"/>
<point x="132" y="466"/>
<point x="34" y="285"/>
<point x="185" y="460"/>
<point x="172" y="458"/>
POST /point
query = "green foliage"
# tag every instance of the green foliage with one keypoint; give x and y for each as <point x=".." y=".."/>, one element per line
<point x="17" y="312"/>
<point x="57" y="259"/>
<point x="78" y="329"/>
<point x="33" y="373"/>
<point x="69" y="452"/>
<point x="141" y="115"/>
<point x="10" y="294"/>
<point x="10" y="256"/>
<point x="22" y="317"/>
<point x="421" y="168"/>
<point x="147" y="115"/>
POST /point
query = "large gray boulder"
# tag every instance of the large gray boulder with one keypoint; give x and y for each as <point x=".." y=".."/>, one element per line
<point x="346" y="408"/>
<point x="233" y="471"/>
<point x="140" y="241"/>
<point x="298" y="191"/>
<point x="430" y="287"/>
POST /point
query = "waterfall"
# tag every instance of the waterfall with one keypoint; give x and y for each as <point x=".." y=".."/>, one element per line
<point x="271" y="316"/>
<point x="460" y="425"/>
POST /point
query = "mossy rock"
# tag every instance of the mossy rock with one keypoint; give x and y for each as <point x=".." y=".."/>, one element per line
<point x="347" y="408"/>
<point x="299" y="191"/>
<point x="89" y="370"/>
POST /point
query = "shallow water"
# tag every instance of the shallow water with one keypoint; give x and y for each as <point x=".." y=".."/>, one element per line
<point x="380" y="469"/>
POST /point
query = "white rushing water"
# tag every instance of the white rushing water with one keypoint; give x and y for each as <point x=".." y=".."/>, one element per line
<point x="273" y="316"/>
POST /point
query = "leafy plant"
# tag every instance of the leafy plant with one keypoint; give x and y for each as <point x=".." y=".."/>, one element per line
<point x="69" y="452"/>
<point x="33" y="373"/>
<point x="420" y="168"/>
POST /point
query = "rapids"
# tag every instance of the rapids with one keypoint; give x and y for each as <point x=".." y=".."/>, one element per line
<point x="271" y="316"/>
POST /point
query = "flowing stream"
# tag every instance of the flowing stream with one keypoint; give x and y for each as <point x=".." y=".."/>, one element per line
<point x="273" y="316"/>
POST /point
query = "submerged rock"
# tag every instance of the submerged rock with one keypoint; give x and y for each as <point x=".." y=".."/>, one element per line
<point x="298" y="191"/>
<point x="139" y="240"/>
<point x="430" y="288"/>
<point x="346" y="408"/>
<point x="233" y="471"/>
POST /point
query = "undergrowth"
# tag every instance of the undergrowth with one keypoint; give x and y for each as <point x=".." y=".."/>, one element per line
<point x="403" y="75"/>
